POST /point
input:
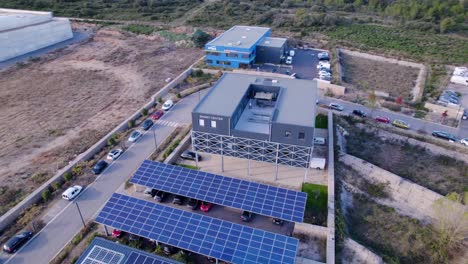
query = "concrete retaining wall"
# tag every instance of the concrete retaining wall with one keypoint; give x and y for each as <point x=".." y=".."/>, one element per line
<point x="331" y="193"/>
<point x="355" y="253"/>
<point x="411" y="198"/>
<point x="20" y="41"/>
<point x="184" y="143"/>
<point x="10" y="216"/>
<point x="310" y="230"/>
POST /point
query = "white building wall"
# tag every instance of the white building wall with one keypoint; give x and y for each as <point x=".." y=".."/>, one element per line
<point x="30" y="38"/>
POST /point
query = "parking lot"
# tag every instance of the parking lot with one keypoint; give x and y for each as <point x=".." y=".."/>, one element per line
<point x="304" y="65"/>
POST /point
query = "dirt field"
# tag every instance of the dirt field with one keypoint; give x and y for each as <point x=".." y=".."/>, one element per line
<point x="57" y="107"/>
<point x="363" y="75"/>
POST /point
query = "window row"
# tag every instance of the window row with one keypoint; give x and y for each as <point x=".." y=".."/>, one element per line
<point x="288" y="134"/>
<point x="201" y="122"/>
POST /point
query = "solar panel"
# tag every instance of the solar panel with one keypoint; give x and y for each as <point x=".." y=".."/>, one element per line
<point x="249" y="196"/>
<point x="102" y="251"/>
<point x="197" y="233"/>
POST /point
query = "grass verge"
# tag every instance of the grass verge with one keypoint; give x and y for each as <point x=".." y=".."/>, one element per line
<point x="316" y="207"/>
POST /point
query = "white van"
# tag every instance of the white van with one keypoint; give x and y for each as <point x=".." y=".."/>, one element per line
<point x="317" y="163"/>
<point x="292" y="53"/>
<point x="71" y="192"/>
<point x="319" y="141"/>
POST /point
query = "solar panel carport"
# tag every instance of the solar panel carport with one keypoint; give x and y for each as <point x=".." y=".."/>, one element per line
<point x="197" y="233"/>
<point x="246" y="195"/>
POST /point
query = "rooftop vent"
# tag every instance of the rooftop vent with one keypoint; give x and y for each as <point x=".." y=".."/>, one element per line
<point x="229" y="44"/>
<point x="274" y="81"/>
<point x="244" y="37"/>
<point x="238" y="43"/>
<point x="248" y="29"/>
<point x="267" y="42"/>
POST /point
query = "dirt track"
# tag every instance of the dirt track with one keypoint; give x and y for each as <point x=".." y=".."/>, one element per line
<point x="53" y="109"/>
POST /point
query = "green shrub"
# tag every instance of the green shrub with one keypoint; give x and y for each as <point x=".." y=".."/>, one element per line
<point x="56" y="185"/>
<point x="67" y="176"/>
<point x="144" y="112"/>
<point x="74" y="259"/>
<point x="46" y="194"/>
<point x="160" y="100"/>
<point x="321" y="121"/>
<point x="178" y="95"/>
<point x="77" y="239"/>
<point x="111" y="142"/>
<point x="77" y="170"/>
<point x="139" y="29"/>
<point x="131" y="123"/>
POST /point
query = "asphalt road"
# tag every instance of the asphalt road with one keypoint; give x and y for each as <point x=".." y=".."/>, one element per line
<point x="415" y="123"/>
<point x="66" y="223"/>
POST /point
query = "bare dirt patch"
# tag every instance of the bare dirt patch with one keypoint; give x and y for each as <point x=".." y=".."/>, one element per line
<point x="362" y="75"/>
<point x="70" y="98"/>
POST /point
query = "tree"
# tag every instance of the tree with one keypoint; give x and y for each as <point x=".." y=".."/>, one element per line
<point x="447" y="24"/>
<point x="200" y="38"/>
<point x="451" y="224"/>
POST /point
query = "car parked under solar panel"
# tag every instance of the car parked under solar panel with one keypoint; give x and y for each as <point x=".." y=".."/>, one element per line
<point x="178" y="199"/>
<point x="161" y="196"/>
<point x="246" y="216"/>
<point x="205" y="206"/>
<point x="193" y="203"/>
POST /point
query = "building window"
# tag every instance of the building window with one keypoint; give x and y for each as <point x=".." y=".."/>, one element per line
<point x="245" y="56"/>
<point x="213" y="124"/>
<point x="209" y="61"/>
<point x="232" y="55"/>
<point x="287" y="134"/>
<point x="201" y="122"/>
<point x="301" y="135"/>
<point x="212" y="53"/>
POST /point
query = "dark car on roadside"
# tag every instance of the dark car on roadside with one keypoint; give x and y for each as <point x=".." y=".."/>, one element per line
<point x="161" y="196"/>
<point x="169" y="250"/>
<point x="444" y="135"/>
<point x="150" y="192"/>
<point x="246" y="216"/>
<point x="178" y="199"/>
<point x="14" y="243"/>
<point x="190" y="155"/>
<point x="99" y="167"/>
<point x="193" y="203"/>
<point x="359" y="113"/>
<point x="147" y="124"/>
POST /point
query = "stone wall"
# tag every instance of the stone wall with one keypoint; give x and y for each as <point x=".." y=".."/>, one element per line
<point x="329" y="87"/>
<point x="355" y="253"/>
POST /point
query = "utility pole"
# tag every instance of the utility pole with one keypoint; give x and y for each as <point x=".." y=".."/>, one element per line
<point x="81" y="216"/>
<point x="155" y="141"/>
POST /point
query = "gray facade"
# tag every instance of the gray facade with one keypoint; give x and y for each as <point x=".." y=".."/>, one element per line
<point x="271" y="50"/>
<point x="257" y="118"/>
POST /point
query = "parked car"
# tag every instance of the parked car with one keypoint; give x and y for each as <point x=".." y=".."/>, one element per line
<point x="400" y="124"/>
<point x="150" y="192"/>
<point x="317" y="163"/>
<point x="178" y="199"/>
<point x="167" y="105"/>
<point x="335" y="106"/>
<point x="71" y="192"/>
<point x="169" y="250"/>
<point x="114" y="154"/>
<point x="193" y="203"/>
<point x="323" y="56"/>
<point x="444" y="135"/>
<point x="319" y="141"/>
<point x="133" y="237"/>
<point x="156" y="115"/>
<point x="359" y="113"/>
<point x="99" y="167"/>
<point x="134" y="136"/>
<point x="464" y="141"/>
<point x="190" y="155"/>
<point x="246" y="216"/>
<point x="117" y="233"/>
<point x="278" y="221"/>
<point x="147" y="124"/>
<point x="465" y="115"/>
<point x="292" y="53"/>
<point x="205" y="206"/>
<point x="289" y="60"/>
<point x="14" y="243"/>
<point x="383" y="119"/>
<point x="160" y="196"/>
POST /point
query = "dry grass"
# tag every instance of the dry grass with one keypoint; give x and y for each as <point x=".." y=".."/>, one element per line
<point x="439" y="173"/>
<point x="367" y="75"/>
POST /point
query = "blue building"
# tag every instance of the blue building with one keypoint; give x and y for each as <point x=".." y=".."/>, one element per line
<point x="237" y="47"/>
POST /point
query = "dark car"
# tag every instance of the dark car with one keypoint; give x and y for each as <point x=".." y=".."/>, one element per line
<point x="133" y="237"/>
<point x="14" y="243"/>
<point x="359" y="113"/>
<point x="150" y="192"/>
<point x="193" y="203"/>
<point x="99" y="167"/>
<point x="147" y="124"/>
<point x="278" y="221"/>
<point x="246" y="216"/>
<point x="178" y="199"/>
<point x="190" y="155"/>
<point x="160" y="196"/>
<point x="169" y="250"/>
<point x="444" y="135"/>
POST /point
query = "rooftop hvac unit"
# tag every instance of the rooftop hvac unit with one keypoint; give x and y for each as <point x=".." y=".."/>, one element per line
<point x="244" y="37"/>
<point x="238" y="43"/>
<point x="274" y="81"/>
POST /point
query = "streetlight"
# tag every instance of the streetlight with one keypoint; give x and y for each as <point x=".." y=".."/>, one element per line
<point x="155" y="141"/>
<point x="79" y="212"/>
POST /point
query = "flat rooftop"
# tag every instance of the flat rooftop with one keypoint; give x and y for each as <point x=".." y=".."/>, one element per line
<point x="14" y="18"/>
<point x="272" y="42"/>
<point x="239" y="37"/>
<point x="295" y="105"/>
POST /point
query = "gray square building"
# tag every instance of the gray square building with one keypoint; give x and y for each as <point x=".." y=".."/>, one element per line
<point x="258" y="118"/>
